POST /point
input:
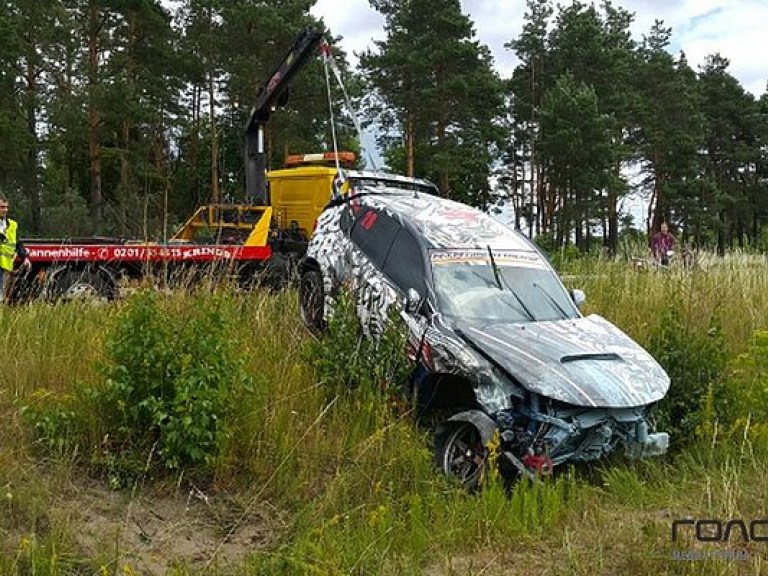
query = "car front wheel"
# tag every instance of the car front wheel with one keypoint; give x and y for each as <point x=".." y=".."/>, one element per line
<point x="461" y="454"/>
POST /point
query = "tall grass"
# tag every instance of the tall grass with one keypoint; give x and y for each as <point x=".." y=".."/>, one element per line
<point x="352" y="476"/>
<point x="732" y="288"/>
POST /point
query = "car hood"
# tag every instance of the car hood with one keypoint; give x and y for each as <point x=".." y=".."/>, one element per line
<point x="582" y="361"/>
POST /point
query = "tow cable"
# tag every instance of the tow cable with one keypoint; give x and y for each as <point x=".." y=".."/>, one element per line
<point x="329" y="62"/>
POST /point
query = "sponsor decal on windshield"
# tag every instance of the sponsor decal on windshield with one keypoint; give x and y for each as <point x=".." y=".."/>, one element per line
<point x="481" y="257"/>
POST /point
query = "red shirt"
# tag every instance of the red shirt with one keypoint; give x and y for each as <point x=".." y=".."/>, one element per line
<point x="661" y="243"/>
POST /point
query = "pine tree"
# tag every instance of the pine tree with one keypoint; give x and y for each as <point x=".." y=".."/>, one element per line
<point x="731" y="143"/>
<point x="434" y="84"/>
<point x="577" y="155"/>
<point x="527" y="86"/>
<point x="668" y="129"/>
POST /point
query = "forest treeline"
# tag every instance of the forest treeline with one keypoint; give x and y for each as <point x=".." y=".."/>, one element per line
<point x="121" y="116"/>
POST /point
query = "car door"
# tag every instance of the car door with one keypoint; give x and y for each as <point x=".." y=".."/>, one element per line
<point x="406" y="268"/>
<point x="372" y="234"/>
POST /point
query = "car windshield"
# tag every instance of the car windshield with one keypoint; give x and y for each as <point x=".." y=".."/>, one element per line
<point x="470" y="290"/>
<point x="383" y="182"/>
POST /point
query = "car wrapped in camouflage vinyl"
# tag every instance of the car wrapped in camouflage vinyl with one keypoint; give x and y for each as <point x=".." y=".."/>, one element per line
<point x="497" y="342"/>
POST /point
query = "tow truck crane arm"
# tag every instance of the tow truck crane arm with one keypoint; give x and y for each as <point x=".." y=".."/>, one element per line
<point x="269" y="97"/>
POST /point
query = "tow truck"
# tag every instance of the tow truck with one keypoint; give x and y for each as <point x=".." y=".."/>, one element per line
<point x="257" y="242"/>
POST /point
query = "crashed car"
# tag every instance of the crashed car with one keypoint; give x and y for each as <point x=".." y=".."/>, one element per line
<point x="498" y="344"/>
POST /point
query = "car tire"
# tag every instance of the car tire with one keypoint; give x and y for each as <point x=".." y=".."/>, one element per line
<point x="312" y="300"/>
<point x="461" y="454"/>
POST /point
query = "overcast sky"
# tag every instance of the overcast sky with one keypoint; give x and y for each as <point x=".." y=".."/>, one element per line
<point x="734" y="28"/>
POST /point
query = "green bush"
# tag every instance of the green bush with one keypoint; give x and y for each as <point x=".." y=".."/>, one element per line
<point x="557" y="255"/>
<point x="171" y="376"/>
<point x="344" y="357"/>
<point x="170" y="379"/>
<point x="743" y="400"/>
<point x="695" y="360"/>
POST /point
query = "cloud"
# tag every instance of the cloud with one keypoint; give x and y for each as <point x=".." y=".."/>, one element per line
<point x="358" y="24"/>
<point x="736" y="30"/>
<point x="733" y="28"/>
<point x="699" y="28"/>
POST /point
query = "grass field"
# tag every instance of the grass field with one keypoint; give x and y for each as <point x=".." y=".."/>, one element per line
<point x="304" y="476"/>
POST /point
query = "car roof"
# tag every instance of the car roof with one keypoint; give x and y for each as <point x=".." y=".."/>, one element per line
<point x="447" y="224"/>
<point x="388" y="179"/>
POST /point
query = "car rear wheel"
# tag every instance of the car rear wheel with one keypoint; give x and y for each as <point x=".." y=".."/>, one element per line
<point x="311" y="302"/>
<point x="461" y="454"/>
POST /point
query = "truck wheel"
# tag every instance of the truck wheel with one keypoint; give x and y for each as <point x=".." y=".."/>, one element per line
<point x="91" y="285"/>
<point x="22" y="287"/>
<point x="311" y="300"/>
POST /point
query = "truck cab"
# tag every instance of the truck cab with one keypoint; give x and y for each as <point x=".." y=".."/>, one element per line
<point x="297" y="195"/>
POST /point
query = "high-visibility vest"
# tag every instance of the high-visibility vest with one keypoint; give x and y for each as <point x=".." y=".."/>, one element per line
<point x="8" y="245"/>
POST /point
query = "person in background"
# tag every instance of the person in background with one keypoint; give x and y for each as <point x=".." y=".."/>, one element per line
<point x="662" y="243"/>
<point x="10" y="245"/>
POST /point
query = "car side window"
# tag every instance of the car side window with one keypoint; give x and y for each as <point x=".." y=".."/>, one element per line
<point x="405" y="263"/>
<point x="373" y="232"/>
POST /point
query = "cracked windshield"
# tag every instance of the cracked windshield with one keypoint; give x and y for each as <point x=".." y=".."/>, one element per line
<point x="499" y="291"/>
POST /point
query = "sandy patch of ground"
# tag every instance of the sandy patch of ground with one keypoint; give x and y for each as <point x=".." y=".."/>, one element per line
<point x="154" y="532"/>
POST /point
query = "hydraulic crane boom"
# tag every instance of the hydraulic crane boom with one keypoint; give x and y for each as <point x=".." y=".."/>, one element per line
<point x="269" y="97"/>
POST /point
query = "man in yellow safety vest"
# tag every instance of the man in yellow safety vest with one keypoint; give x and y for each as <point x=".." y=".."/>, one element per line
<point x="10" y="245"/>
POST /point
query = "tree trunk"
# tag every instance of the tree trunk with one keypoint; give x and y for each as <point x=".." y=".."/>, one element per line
<point x="562" y="220"/>
<point x="409" y="143"/>
<point x="441" y="127"/>
<point x="613" y="217"/>
<point x="532" y="200"/>
<point x="125" y="187"/>
<point x="521" y="199"/>
<point x="534" y="162"/>
<point x="516" y="186"/>
<point x="740" y="233"/>
<point x="579" y="211"/>
<point x="195" y="146"/>
<point x="587" y="235"/>
<point x="755" y="228"/>
<point x="650" y="213"/>
<point x="660" y="211"/>
<point x="160" y="161"/>
<point x="31" y="190"/>
<point x="125" y="181"/>
<point x="215" y="195"/>
<point x="540" y="191"/>
<point x="604" y="229"/>
<point x="94" y="118"/>
<point x="721" y="233"/>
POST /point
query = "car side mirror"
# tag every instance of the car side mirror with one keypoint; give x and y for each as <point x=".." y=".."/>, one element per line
<point x="412" y="301"/>
<point x="578" y="297"/>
